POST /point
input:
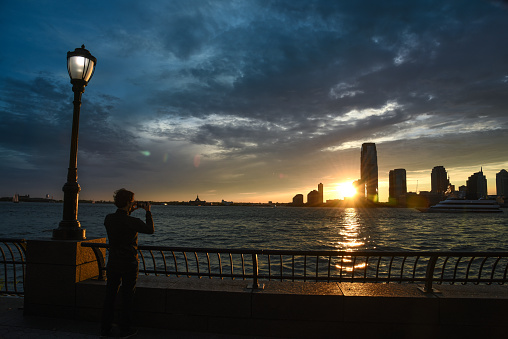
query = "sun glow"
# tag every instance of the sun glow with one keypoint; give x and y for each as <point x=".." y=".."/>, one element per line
<point x="346" y="190"/>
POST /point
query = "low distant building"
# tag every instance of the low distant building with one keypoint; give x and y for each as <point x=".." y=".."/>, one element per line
<point x="336" y="202"/>
<point x="313" y="198"/>
<point x="461" y="194"/>
<point x="197" y="202"/>
<point x="298" y="200"/>
<point x="24" y="198"/>
<point x="414" y="200"/>
<point x="431" y="197"/>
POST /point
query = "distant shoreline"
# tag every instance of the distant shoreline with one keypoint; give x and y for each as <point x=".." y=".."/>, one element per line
<point x="358" y="203"/>
<point x="336" y="203"/>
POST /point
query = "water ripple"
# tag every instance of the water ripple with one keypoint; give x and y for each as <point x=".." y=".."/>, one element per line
<point x="281" y="228"/>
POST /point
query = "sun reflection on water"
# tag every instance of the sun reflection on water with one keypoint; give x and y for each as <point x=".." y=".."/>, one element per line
<point x="350" y="239"/>
<point x="348" y="265"/>
<point x="349" y="231"/>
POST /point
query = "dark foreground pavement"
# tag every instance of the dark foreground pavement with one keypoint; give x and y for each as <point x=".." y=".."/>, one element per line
<point x="14" y="325"/>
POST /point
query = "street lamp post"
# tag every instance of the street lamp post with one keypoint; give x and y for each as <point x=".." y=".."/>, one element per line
<point x="81" y="66"/>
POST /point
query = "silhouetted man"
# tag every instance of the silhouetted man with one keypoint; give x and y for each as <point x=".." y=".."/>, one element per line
<point x="123" y="260"/>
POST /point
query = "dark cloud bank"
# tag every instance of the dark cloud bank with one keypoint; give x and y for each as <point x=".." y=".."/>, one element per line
<point x="259" y="98"/>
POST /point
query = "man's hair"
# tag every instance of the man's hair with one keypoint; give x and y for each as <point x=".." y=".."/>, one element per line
<point x="123" y="197"/>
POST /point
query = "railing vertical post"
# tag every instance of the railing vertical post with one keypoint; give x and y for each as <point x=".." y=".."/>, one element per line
<point x="429" y="275"/>
<point x="255" y="271"/>
<point x="101" y="264"/>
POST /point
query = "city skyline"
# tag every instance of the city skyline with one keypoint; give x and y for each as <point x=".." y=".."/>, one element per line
<point x="252" y="102"/>
<point x="366" y="186"/>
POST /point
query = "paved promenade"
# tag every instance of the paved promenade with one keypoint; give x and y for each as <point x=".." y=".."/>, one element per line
<point x="14" y="325"/>
<point x="364" y="311"/>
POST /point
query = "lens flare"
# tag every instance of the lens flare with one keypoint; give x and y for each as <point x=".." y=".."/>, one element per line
<point x="347" y="190"/>
<point x="197" y="160"/>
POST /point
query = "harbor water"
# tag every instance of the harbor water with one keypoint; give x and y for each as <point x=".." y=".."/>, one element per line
<point x="288" y="228"/>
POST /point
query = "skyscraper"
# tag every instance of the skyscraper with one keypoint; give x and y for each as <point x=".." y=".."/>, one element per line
<point x="502" y="183"/>
<point x="439" y="180"/>
<point x="398" y="187"/>
<point x="369" y="172"/>
<point x="320" y="190"/>
<point x="476" y="186"/>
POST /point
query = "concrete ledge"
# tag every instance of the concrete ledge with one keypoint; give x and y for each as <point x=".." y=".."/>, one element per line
<point x="489" y="304"/>
<point x="301" y="301"/>
<point x="306" y="309"/>
<point x="389" y="304"/>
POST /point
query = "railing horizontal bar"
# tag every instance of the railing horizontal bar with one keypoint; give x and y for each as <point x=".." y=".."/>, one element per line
<point x="312" y="253"/>
<point x="498" y="280"/>
<point x="340" y="279"/>
<point x="284" y="277"/>
<point x="12" y="240"/>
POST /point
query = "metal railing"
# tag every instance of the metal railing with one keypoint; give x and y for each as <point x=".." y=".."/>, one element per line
<point x="426" y="268"/>
<point x="13" y="261"/>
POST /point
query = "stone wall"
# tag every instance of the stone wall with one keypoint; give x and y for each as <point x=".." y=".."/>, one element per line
<point x="52" y="270"/>
<point x="309" y="309"/>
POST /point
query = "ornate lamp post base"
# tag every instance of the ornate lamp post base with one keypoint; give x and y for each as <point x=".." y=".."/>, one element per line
<point x="70" y="228"/>
<point x="69" y="232"/>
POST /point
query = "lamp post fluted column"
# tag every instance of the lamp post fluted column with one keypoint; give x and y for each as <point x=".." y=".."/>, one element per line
<point x="81" y="65"/>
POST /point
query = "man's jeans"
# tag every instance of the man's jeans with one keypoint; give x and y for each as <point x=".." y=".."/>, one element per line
<point x="127" y="277"/>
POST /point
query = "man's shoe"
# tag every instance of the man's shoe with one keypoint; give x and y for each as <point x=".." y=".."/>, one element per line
<point x="128" y="333"/>
<point x="106" y="333"/>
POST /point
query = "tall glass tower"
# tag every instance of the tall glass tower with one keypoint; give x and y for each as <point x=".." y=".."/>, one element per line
<point x="439" y="180"/>
<point x="476" y="186"/>
<point x="320" y="191"/>
<point x="502" y="183"/>
<point x="369" y="172"/>
<point x="398" y="186"/>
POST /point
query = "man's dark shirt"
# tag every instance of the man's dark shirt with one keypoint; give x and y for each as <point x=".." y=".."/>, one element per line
<point x="123" y="237"/>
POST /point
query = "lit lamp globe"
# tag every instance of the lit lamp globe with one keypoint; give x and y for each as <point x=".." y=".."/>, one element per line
<point x="81" y="66"/>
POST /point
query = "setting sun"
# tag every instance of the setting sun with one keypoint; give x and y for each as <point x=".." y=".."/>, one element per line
<point x="346" y="190"/>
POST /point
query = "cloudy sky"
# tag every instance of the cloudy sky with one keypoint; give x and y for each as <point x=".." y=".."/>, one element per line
<point x="251" y="100"/>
